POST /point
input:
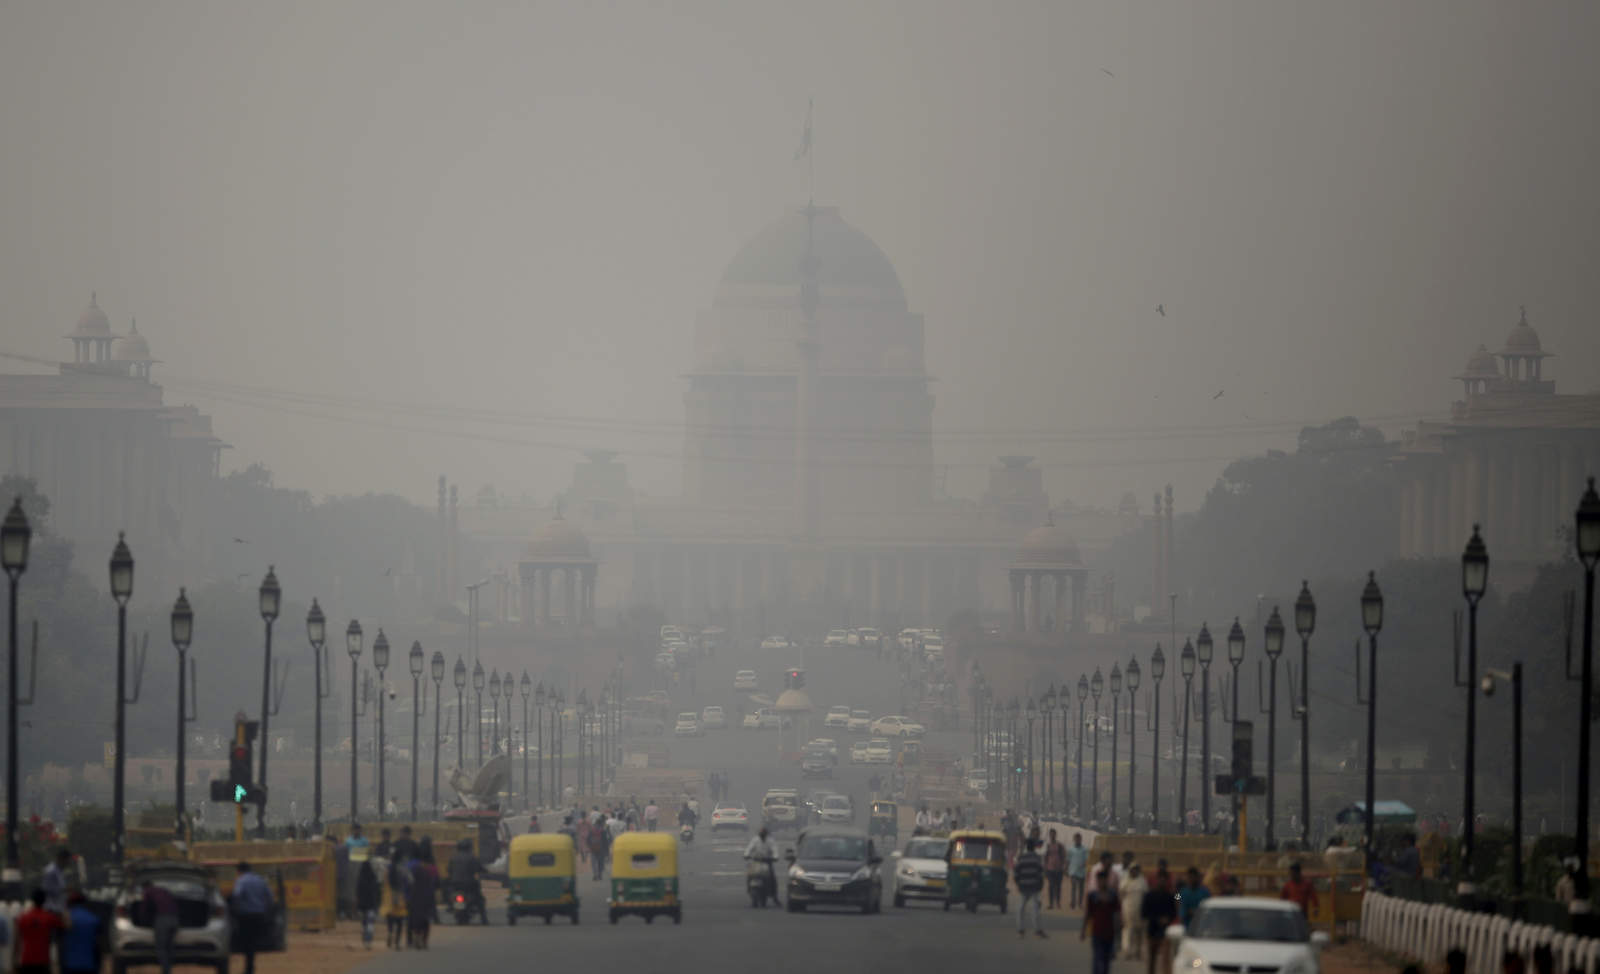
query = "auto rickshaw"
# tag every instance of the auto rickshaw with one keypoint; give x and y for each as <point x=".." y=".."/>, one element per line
<point x="977" y="869"/>
<point x="542" y="874"/>
<point x="885" y="820"/>
<point x="644" y="876"/>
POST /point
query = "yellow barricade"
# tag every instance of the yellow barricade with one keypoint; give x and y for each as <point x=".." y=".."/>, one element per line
<point x="1338" y="894"/>
<point x="444" y="835"/>
<point x="301" y="873"/>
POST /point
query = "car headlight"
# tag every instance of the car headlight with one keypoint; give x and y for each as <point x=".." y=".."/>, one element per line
<point x="861" y="873"/>
<point x="907" y="871"/>
<point x="795" y="872"/>
<point x="1190" y="962"/>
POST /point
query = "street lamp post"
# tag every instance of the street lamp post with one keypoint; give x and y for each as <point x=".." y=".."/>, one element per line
<point x="1158" y="669"/>
<point x="380" y="662"/>
<point x="1515" y="679"/>
<point x="1131" y="674"/>
<point x="478" y="680"/>
<point x="1047" y="707"/>
<point x="558" y="733"/>
<point x="352" y="645"/>
<point x="527" y="745"/>
<point x="270" y="596"/>
<point x="508" y="689"/>
<point x="317" y="636"/>
<point x="1083" y="695"/>
<point x="1474" y="582"/>
<point x="1030" y="713"/>
<point x="14" y="537"/>
<point x="1115" y="685"/>
<point x="121" y="590"/>
<point x="182" y="635"/>
<point x="1186" y="668"/>
<point x="459" y="678"/>
<point x="1274" y="648"/>
<point x="1235" y="657"/>
<point x="1372" y="622"/>
<point x="415" y="658"/>
<point x="494" y="706"/>
<point x="1095" y="686"/>
<point x="1588" y="532"/>
<point x="1013" y="728"/>
<point x="538" y="731"/>
<point x="436" y="670"/>
<point x="1203" y="649"/>
<point x="1305" y="622"/>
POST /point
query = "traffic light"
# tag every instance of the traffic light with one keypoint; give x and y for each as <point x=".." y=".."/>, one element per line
<point x="1243" y="732"/>
<point x="794" y="680"/>
<point x="239" y="787"/>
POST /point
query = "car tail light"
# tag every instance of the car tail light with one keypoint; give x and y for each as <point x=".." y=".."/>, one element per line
<point x="460" y="898"/>
<point x="122" y="911"/>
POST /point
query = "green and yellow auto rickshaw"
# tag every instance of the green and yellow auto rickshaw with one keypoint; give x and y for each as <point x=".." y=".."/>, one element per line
<point x="977" y="869"/>
<point x="644" y="876"/>
<point x="542" y="876"/>
<point x="885" y="820"/>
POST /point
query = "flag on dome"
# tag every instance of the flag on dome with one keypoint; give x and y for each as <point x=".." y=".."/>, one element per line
<point x="805" y="136"/>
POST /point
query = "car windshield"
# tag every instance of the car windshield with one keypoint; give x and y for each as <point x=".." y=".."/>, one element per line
<point x="730" y="807"/>
<point x="926" y="848"/>
<point x="832" y="847"/>
<point x="686" y="716"/>
<point x="877" y="742"/>
<point x="988" y="850"/>
<point x="839" y="710"/>
<point x="1280" y="926"/>
<point x="836" y="801"/>
<point x="863" y="714"/>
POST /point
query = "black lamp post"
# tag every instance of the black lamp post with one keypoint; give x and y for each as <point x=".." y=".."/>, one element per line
<point x="121" y="590"/>
<point x="585" y="742"/>
<point x="1235" y="657"/>
<point x="1474" y="582"/>
<point x="1115" y="685"/>
<point x="1273" y="646"/>
<point x="1588" y="533"/>
<point x="1186" y="668"/>
<point x="494" y="706"/>
<point x="459" y="678"/>
<point x="1203" y="649"/>
<point x="1030" y="714"/>
<point x="1158" y="669"/>
<point x="538" y="732"/>
<point x="1305" y="621"/>
<point x="317" y="636"/>
<point x="380" y="662"/>
<point x="182" y="635"/>
<point x="1047" y="707"/>
<point x="603" y="718"/>
<point x="479" y="678"/>
<point x="1014" y="752"/>
<point x="436" y="670"/>
<point x="352" y="645"/>
<point x="1131" y="674"/>
<point x="527" y="745"/>
<point x="1515" y="678"/>
<point x="1095" y="686"/>
<point x="14" y="537"/>
<point x="415" y="658"/>
<point x="558" y="733"/>
<point x="1372" y="622"/>
<point x="1083" y="695"/>
<point x="270" y="596"/>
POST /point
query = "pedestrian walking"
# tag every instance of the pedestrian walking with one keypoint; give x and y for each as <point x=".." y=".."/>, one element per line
<point x="36" y="931"/>
<point x="1158" y="911"/>
<point x="1193" y="893"/>
<point x="161" y="910"/>
<point x="652" y="813"/>
<point x="424" y="894"/>
<point x="1055" y="866"/>
<point x="1101" y="915"/>
<point x="1077" y="865"/>
<point x="395" y="900"/>
<point x="54" y="881"/>
<point x="599" y="844"/>
<point x="1299" y="891"/>
<point x="80" y="945"/>
<point x="252" y="902"/>
<point x="1028" y="874"/>
<point x="1131" y="892"/>
<point x="369" y="897"/>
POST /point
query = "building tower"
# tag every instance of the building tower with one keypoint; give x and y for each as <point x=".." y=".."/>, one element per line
<point x="91" y="340"/>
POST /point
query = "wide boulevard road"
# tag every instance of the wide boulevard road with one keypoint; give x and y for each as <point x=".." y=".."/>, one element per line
<point x="721" y="932"/>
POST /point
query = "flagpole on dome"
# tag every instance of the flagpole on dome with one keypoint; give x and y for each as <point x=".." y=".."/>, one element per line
<point x="805" y="152"/>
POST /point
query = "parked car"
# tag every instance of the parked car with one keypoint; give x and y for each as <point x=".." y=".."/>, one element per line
<point x="204" y="935"/>
<point x="744" y="680"/>
<point x="896" y="726"/>
<point x="860" y="722"/>
<point x="712" y="718"/>
<point x="837" y="717"/>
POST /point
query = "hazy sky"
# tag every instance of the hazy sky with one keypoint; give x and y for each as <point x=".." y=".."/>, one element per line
<point x="520" y="207"/>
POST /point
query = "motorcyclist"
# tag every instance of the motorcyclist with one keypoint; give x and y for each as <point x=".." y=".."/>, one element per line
<point x="463" y="872"/>
<point x="762" y="850"/>
<point x="687" y="816"/>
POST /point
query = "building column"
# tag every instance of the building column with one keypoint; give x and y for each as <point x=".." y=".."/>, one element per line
<point x="588" y="595"/>
<point x="927" y="588"/>
<point x="1017" y="583"/>
<point x="1033" y="593"/>
<point x="1079" y="581"/>
<point x="542" y="608"/>
<point x="1058" y="604"/>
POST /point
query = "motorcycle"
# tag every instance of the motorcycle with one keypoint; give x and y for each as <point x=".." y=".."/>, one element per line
<point x="465" y="902"/>
<point x="759" y="882"/>
<point x="686" y="834"/>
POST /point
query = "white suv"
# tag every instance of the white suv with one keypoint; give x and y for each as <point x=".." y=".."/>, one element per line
<point x="860" y="722"/>
<point x="712" y="718"/>
<point x="837" y="717"/>
<point x="897" y="727"/>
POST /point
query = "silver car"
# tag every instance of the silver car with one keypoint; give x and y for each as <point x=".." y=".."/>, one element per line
<point x="204" y="931"/>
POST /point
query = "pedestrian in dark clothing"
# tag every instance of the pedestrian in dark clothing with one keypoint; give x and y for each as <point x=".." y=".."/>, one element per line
<point x="1101" y="915"/>
<point x="161" y="909"/>
<point x="1159" y="911"/>
<point x="1055" y="867"/>
<point x="423" y="895"/>
<point x="80" y="945"/>
<point x="1028" y="874"/>
<point x="369" y="896"/>
<point x="252" y="903"/>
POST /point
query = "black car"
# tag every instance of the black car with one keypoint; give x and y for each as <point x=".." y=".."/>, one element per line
<point x="816" y="764"/>
<point x="833" y="866"/>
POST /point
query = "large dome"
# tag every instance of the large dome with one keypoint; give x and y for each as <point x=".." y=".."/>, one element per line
<point x="847" y="259"/>
<point x="559" y="540"/>
<point x="1523" y="340"/>
<point x="1048" y="546"/>
<point x="93" y="321"/>
<point x="1481" y="365"/>
<point x="131" y="347"/>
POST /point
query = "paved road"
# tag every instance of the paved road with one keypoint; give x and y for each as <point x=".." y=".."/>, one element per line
<point x="720" y="931"/>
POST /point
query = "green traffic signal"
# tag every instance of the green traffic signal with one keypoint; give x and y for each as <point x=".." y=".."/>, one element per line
<point x="239" y="792"/>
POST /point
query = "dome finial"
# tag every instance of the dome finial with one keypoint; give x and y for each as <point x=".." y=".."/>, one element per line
<point x="1522" y="310"/>
<point x="134" y="325"/>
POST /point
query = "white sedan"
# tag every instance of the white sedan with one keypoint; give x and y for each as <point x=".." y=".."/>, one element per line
<point x="920" y="870"/>
<point x="836" y="810"/>
<point x="730" y="815"/>
<point x="897" y="727"/>
<point x="879" y="751"/>
<point x="744" y="680"/>
<point x="860" y="722"/>
<point x="688" y="725"/>
<point x="858" y="752"/>
<point x="835" y="637"/>
<point x="751" y="722"/>
<point x="712" y="718"/>
<point x="837" y="717"/>
<point x="1235" y="933"/>
<point x="775" y="642"/>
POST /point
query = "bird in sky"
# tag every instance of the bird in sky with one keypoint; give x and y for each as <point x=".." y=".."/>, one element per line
<point x="1108" y="72"/>
<point x="1218" y="395"/>
<point x="241" y="575"/>
<point x="240" y="541"/>
<point x="1161" y="310"/>
<point x="387" y="572"/>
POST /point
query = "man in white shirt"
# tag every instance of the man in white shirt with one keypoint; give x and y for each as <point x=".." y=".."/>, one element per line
<point x="760" y="849"/>
<point x="652" y="813"/>
<point x="923" y="820"/>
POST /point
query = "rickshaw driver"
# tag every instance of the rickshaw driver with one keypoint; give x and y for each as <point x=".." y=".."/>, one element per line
<point x="761" y="849"/>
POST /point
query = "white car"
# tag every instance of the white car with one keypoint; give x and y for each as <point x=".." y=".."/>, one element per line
<point x="920" y="870"/>
<point x="1239" y="934"/>
<point x="666" y="661"/>
<point x="730" y="815"/>
<point x="896" y="727"/>
<point x="836" y="810"/>
<point x="744" y="680"/>
<point x="774" y="642"/>
<point x="908" y="637"/>
<point x="879" y="751"/>
<point x="933" y="648"/>
<point x="835" y="637"/>
<point x="824" y="744"/>
<point x="860" y="722"/>
<point x="854" y="638"/>
<point x="837" y="717"/>
<point x="688" y="725"/>
<point x="670" y="632"/>
<point x="858" y="752"/>
<point x="751" y="722"/>
<point x="867" y="637"/>
<point x="712" y="718"/>
<point x="770" y="718"/>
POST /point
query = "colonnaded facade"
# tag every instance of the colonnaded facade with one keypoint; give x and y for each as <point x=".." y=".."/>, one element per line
<point x="809" y="492"/>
